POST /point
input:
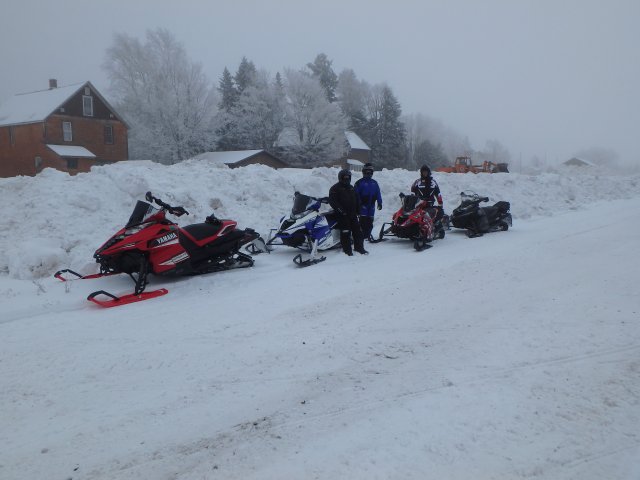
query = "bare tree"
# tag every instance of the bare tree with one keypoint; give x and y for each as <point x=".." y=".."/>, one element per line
<point x="166" y="98"/>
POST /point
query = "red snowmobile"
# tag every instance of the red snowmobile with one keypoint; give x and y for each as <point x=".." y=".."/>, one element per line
<point x="150" y="243"/>
<point x="415" y="221"/>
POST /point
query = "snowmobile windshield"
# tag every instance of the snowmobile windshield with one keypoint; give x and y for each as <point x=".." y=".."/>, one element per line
<point x="409" y="203"/>
<point x="301" y="204"/>
<point x="141" y="213"/>
<point x="469" y="197"/>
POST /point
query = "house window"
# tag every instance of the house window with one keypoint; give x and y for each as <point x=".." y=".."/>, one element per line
<point x="12" y="137"/>
<point x="67" y="134"/>
<point x="108" y="134"/>
<point x="87" y="106"/>
<point x="72" y="163"/>
<point x="38" y="162"/>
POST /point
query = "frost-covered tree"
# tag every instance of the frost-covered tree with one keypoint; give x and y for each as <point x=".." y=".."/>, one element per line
<point x="321" y="69"/>
<point x="427" y="153"/>
<point x="257" y="118"/>
<point x="421" y="127"/>
<point x="386" y="133"/>
<point x="351" y="94"/>
<point x="317" y="126"/>
<point x="165" y="97"/>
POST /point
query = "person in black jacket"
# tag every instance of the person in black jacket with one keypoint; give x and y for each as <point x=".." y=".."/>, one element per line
<point x="344" y="201"/>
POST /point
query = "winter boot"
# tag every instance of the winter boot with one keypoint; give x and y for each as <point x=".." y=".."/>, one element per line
<point x="359" y="246"/>
<point x="345" y="241"/>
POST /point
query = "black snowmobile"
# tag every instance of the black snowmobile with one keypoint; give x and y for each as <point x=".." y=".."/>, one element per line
<point x="479" y="220"/>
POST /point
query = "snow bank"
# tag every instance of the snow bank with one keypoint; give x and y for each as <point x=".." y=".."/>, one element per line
<point x="57" y="221"/>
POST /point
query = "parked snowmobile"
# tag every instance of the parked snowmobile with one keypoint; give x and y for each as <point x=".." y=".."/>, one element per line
<point x="414" y="220"/>
<point x="478" y="220"/>
<point x="150" y="243"/>
<point x="307" y="229"/>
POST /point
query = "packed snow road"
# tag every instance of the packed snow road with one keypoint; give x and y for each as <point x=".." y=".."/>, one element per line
<point x="511" y="356"/>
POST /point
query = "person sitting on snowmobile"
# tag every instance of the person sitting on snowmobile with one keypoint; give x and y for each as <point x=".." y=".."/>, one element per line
<point x="427" y="189"/>
<point x="344" y="201"/>
<point x="368" y="192"/>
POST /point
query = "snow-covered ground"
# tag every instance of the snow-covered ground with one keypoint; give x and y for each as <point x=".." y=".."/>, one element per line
<point x="514" y="355"/>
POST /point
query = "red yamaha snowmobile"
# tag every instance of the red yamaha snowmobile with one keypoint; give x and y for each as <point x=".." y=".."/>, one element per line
<point x="150" y="243"/>
<point x="415" y="221"/>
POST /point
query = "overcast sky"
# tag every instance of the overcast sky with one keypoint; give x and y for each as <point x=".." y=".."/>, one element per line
<point x="545" y="77"/>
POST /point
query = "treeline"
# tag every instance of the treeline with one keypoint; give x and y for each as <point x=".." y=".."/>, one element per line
<point x="300" y="115"/>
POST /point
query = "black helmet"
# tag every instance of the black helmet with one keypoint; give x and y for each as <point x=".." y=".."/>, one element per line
<point x="344" y="176"/>
<point x="367" y="169"/>
<point x="425" y="171"/>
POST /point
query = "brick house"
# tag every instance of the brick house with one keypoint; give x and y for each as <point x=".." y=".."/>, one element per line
<point x="70" y="128"/>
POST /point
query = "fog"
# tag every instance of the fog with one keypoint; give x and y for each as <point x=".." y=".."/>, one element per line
<point x="545" y="78"/>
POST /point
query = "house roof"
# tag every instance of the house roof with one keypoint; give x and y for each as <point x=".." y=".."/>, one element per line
<point x="35" y="107"/>
<point x="227" y="158"/>
<point x="355" y="141"/>
<point x="578" y="161"/>
<point x="353" y="161"/>
<point x="71" y="151"/>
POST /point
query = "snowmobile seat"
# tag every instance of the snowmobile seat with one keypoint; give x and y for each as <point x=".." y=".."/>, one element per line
<point x="200" y="231"/>
<point x="502" y="206"/>
<point x="331" y="216"/>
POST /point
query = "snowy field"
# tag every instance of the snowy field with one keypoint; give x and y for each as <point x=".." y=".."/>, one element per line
<point x="511" y="356"/>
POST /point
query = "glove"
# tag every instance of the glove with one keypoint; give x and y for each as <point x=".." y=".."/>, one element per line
<point x="379" y="207"/>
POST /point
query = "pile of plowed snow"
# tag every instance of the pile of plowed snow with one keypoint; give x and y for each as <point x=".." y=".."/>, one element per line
<point x="55" y="221"/>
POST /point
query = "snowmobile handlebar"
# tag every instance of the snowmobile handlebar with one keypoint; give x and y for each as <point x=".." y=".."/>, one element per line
<point x="177" y="211"/>
<point x="474" y="197"/>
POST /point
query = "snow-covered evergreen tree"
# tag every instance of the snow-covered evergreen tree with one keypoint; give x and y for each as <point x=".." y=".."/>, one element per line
<point x="385" y="132"/>
<point x="165" y="97"/>
<point x="321" y="69"/>
<point x="228" y="91"/>
<point x="246" y="75"/>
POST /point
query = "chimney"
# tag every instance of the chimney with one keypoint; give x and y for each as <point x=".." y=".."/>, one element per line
<point x="53" y="83"/>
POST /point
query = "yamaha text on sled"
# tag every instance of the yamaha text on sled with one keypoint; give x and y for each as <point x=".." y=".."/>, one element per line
<point x="477" y="220"/>
<point x="150" y="243"/>
<point x="307" y="229"/>
<point x="415" y="221"/>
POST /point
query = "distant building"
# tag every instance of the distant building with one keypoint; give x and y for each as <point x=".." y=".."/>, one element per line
<point x="358" y="153"/>
<point x="354" y="165"/>
<point x="242" y="158"/>
<point x="577" y="162"/>
<point x="70" y="128"/>
<point x="358" y="149"/>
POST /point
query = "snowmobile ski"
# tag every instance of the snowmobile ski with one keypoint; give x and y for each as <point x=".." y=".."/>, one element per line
<point x="421" y="245"/>
<point x="60" y="275"/>
<point x="115" y="301"/>
<point x="308" y="262"/>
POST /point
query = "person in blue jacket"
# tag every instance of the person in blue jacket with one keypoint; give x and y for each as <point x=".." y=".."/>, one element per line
<point x="368" y="192"/>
